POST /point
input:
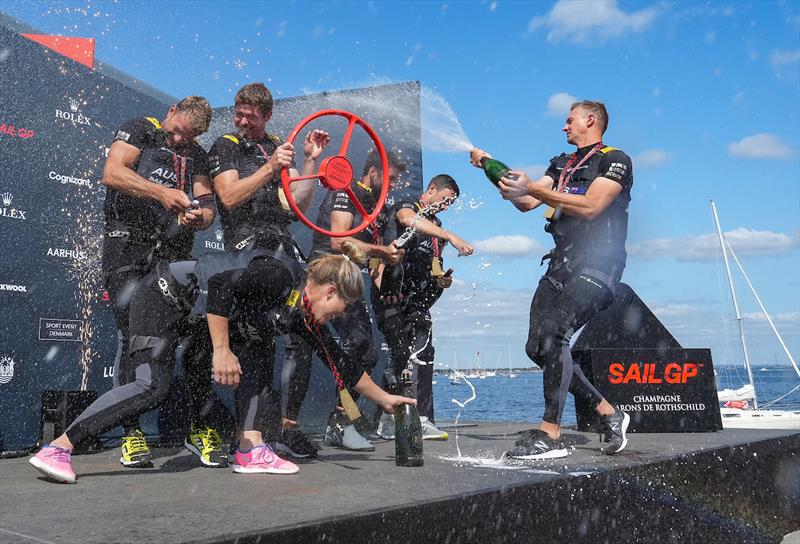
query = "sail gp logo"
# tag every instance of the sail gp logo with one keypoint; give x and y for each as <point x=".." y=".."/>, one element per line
<point x="74" y="114"/>
<point x="8" y="211"/>
<point x="650" y="373"/>
<point x="6" y="369"/>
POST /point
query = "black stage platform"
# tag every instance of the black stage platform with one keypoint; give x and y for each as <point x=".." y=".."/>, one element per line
<point x="728" y="486"/>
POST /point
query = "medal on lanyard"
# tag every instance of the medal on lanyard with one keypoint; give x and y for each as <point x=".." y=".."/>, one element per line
<point x="349" y="405"/>
<point x="436" y="265"/>
<point x="566" y="176"/>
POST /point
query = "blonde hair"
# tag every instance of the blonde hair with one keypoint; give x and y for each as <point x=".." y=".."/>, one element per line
<point x="199" y="109"/>
<point x="341" y="270"/>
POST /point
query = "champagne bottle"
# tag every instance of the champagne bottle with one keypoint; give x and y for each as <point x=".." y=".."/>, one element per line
<point x="407" y="431"/>
<point x="494" y="169"/>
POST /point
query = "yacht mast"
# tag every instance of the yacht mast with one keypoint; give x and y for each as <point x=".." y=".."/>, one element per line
<point x="735" y="303"/>
<point x="761" y="304"/>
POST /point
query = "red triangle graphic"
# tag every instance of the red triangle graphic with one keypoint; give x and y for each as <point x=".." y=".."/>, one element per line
<point x="78" y="49"/>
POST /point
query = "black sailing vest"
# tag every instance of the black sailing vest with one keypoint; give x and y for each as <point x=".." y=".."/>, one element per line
<point x="261" y="219"/>
<point x="597" y="244"/>
<point x="144" y="222"/>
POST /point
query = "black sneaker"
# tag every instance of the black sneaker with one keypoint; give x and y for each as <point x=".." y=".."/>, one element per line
<point x="616" y="425"/>
<point x="536" y="444"/>
<point x="292" y="441"/>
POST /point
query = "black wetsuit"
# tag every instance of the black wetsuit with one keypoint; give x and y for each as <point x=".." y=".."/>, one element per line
<point x="254" y="287"/>
<point x="139" y="231"/>
<point x="354" y="327"/>
<point x="585" y="267"/>
<point x="407" y="326"/>
<point x="260" y="222"/>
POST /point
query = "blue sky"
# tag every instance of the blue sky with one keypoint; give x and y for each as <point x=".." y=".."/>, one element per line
<point x="705" y="97"/>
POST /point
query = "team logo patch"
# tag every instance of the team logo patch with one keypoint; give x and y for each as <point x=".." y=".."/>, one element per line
<point x="617" y="171"/>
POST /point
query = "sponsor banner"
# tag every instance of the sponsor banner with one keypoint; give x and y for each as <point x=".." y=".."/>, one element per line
<point x="9" y="209"/>
<point x="63" y="253"/>
<point x="671" y="390"/>
<point x="6" y="368"/>
<point x="13" y="288"/>
<point x="62" y="330"/>
<point x="74" y="114"/>
<point x="8" y="129"/>
<point x="69" y="179"/>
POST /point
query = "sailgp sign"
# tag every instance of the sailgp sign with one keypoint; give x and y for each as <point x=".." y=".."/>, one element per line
<point x="670" y="390"/>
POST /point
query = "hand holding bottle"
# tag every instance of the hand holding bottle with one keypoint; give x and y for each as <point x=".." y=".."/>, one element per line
<point x="476" y="156"/>
<point x="392" y="254"/>
<point x="515" y="185"/>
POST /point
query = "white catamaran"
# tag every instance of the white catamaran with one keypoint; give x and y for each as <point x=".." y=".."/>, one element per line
<point x="737" y="412"/>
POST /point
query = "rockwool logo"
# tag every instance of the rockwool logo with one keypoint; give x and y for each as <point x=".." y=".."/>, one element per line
<point x="16" y="288"/>
<point x="81" y="182"/>
<point x="6" y="369"/>
<point x="7" y="211"/>
<point x="74" y="115"/>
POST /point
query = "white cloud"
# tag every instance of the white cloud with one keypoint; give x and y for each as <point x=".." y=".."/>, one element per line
<point x="650" y="158"/>
<point x="779" y="57"/>
<point x="790" y="317"/>
<point x="760" y="146"/>
<point x="674" y="310"/>
<point x="515" y="245"/>
<point x="591" y="22"/>
<point x="705" y="247"/>
<point x="558" y="104"/>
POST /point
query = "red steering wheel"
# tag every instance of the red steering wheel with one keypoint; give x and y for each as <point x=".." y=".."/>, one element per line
<point x="336" y="173"/>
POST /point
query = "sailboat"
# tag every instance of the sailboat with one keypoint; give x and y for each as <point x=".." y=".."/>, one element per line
<point x="456" y="375"/>
<point x="737" y="412"/>
<point x="493" y="373"/>
<point x="510" y="372"/>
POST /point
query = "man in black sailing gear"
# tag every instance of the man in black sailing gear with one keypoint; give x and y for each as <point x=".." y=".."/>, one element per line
<point x="157" y="195"/>
<point x="587" y="194"/>
<point x="405" y="319"/>
<point x="245" y="168"/>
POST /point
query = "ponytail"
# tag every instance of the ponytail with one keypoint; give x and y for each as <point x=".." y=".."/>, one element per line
<point x="342" y="270"/>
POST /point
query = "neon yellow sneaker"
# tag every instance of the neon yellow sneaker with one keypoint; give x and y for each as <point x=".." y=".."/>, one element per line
<point x="135" y="453"/>
<point x="206" y="444"/>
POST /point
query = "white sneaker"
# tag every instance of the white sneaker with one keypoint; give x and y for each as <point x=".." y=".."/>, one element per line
<point x="386" y="426"/>
<point x="430" y="432"/>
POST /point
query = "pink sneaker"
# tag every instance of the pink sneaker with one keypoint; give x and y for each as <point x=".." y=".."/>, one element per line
<point x="55" y="463"/>
<point x="262" y="460"/>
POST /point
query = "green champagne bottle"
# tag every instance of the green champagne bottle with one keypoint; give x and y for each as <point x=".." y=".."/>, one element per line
<point x="494" y="169"/>
<point x="407" y="431"/>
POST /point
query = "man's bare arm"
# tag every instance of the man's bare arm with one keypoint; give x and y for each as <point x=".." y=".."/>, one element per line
<point x="118" y="174"/>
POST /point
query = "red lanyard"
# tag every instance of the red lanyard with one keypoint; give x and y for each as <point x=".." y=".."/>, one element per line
<point x="313" y="327"/>
<point x="566" y="173"/>
<point x="263" y="152"/>
<point x="179" y="165"/>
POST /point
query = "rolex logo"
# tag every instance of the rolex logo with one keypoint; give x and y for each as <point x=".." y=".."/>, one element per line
<point x="218" y="233"/>
<point x="6" y="369"/>
<point x="7" y="198"/>
<point x="73" y="104"/>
